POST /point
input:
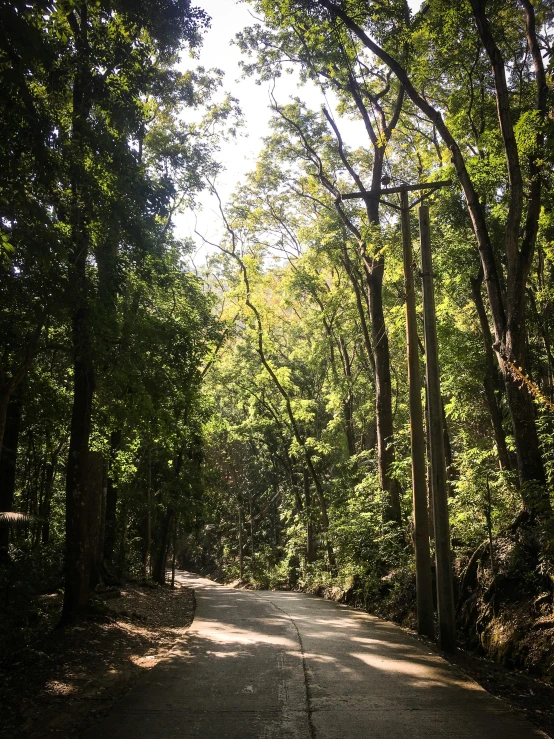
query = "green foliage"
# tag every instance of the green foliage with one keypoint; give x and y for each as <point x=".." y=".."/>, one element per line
<point x="104" y="139"/>
<point x="297" y="251"/>
<point x="249" y="443"/>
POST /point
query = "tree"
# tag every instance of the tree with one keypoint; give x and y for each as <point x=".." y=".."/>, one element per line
<point x="99" y="116"/>
<point x="104" y="161"/>
<point x="361" y="90"/>
<point x="505" y="284"/>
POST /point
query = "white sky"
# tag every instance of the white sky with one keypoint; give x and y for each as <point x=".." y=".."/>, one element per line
<point x="238" y="156"/>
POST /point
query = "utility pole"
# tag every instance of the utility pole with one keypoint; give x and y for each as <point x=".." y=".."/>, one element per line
<point x="424" y="586"/>
<point x="417" y="437"/>
<point x="439" y="487"/>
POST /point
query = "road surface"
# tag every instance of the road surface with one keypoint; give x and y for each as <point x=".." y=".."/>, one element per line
<point x="279" y="665"/>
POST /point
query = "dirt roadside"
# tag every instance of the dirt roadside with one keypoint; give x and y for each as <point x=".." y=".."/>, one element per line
<point x="528" y="695"/>
<point x="60" y="686"/>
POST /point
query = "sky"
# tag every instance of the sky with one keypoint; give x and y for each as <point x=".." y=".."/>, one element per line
<point x="238" y="156"/>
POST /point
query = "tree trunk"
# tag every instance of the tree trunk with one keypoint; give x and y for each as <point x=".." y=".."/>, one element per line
<point x="491" y="373"/>
<point x="375" y="271"/>
<point x="8" y="459"/>
<point x="347" y="406"/>
<point x="530" y="466"/>
<point x="174" y="552"/>
<point x="148" y="549"/>
<point x="96" y="514"/>
<point x="430" y="504"/>
<point x="311" y="549"/>
<point x="77" y="557"/>
<point x="47" y="499"/>
<point x="77" y="563"/>
<point x="111" y="499"/>
<point x="529" y="459"/>
<point x="160" y="565"/>
<point x="123" y="538"/>
<point x="241" y="548"/>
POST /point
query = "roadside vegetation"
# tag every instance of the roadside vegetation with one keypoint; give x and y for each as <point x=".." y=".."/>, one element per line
<point x="250" y="419"/>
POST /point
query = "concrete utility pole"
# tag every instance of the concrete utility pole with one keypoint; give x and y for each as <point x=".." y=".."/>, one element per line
<point x="424" y="587"/>
<point x="445" y="601"/>
<point x="439" y="487"/>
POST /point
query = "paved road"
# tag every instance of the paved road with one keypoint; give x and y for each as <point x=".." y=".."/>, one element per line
<point x="291" y="666"/>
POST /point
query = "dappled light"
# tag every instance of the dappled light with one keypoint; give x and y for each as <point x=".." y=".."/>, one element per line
<point x="220" y="634"/>
<point x="280" y="663"/>
<point x="276" y="308"/>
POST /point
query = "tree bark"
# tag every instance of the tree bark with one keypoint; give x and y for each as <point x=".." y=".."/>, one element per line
<point x="160" y="564"/>
<point x="96" y="511"/>
<point x="148" y="549"/>
<point x="439" y="483"/>
<point x="241" y="546"/>
<point x="77" y="557"/>
<point x="430" y="504"/>
<point x="383" y="385"/>
<point x="8" y="460"/>
<point x="311" y="549"/>
<point x="424" y="591"/>
<point x="490" y="374"/>
<point x="47" y="499"/>
<point x="348" y="402"/>
<point x="529" y="459"/>
<point x="111" y="499"/>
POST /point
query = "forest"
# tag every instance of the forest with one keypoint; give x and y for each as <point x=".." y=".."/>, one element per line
<point x="265" y="416"/>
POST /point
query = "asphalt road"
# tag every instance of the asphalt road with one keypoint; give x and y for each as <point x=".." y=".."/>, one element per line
<point x="277" y="665"/>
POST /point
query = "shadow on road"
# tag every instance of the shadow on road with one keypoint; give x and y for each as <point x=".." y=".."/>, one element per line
<point x="282" y="665"/>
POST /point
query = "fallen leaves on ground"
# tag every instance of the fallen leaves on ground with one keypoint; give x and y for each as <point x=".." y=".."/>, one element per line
<point x="59" y="686"/>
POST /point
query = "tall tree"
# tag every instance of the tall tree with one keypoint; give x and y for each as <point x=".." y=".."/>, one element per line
<point x="344" y="69"/>
<point x="505" y="279"/>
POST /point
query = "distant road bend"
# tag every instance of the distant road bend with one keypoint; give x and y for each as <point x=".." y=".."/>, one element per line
<point x="280" y="665"/>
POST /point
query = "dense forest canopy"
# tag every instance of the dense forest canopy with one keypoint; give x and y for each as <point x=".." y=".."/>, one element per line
<point x="252" y="416"/>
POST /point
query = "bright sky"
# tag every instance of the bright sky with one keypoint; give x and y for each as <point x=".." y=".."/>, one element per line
<point x="238" y="156"/>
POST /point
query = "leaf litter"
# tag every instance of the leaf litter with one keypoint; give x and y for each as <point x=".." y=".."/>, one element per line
<point x="61" y="685"/>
